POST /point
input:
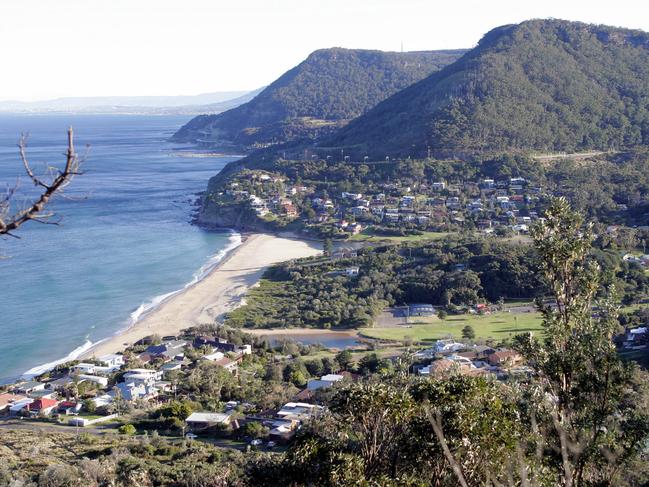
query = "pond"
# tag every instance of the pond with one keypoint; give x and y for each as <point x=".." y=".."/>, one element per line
<point x="329" y="339"/>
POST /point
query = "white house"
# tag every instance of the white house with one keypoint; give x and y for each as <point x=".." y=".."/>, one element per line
<point x="18" y="406"/>
<point x="298" y="410"/>
<point x="323" y="382"/>
<point x="102" y="381"/>
<point x="112" y="360"/>
<point x="84" y="368"/>
<point x="442" y="346"/>
<point x="212" y="357"/>
<point x="198" y="421"/>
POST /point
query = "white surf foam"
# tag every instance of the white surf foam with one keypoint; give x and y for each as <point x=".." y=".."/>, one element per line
<point x="41" y="369"/>
<point x="233" y="242"/>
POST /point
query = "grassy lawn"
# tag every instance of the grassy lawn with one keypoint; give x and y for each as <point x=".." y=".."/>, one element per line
<point x="63" y="419"/>
<point x="497" y="326"/>
<point x="368" y="235"/>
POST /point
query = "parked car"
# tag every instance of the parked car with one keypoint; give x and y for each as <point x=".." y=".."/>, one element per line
<point x="256" y="442"/>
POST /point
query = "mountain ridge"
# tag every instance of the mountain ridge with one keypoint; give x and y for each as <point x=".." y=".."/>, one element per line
<point x="541" y="85"/>
<point x="323" y="92"/>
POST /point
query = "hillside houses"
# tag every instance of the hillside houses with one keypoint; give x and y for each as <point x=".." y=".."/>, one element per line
<point x="484" y="204"/>
<point x="450" y="357"/>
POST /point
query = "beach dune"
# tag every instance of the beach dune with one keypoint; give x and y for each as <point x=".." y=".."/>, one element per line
<point x="219" y="292"/>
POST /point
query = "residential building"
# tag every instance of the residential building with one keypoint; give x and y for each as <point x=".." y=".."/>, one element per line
<point x="324" y="382"/>
<point x="112" y="360"/>
<point x="42" y="407"/>
<point x="298" y="410"/>
<point x="448" y="345"/>
<point x="8" y="399"/>
<point x="421" y="309"/>
<point x="206" y="420"/>
<point x="30" y="386"/>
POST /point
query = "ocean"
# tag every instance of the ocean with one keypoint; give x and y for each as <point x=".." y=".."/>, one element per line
<point x="123" y="242"/>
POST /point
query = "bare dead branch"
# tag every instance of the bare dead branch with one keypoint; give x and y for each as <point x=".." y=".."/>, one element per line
<point x="436" y="422"/>
<point x="59" y="180"/>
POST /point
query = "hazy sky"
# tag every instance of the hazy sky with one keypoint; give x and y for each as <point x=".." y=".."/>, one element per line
<point x="53" y="48"/>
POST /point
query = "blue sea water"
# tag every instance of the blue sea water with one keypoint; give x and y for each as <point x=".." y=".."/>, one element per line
<point x="124" y="240"/>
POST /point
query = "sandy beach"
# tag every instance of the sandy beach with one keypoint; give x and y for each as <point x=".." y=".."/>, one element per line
<point x="219" y="292"/>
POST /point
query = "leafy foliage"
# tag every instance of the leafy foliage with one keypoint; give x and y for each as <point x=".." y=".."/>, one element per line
<point x="316" y="293"/>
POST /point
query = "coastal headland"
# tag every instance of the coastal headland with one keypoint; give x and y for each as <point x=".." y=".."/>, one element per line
<point x="219" y="292"/>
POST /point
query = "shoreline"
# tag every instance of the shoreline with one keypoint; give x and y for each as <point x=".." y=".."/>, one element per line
<point x="219" y="291"/>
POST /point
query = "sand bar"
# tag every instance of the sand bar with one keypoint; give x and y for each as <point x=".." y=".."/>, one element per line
<point x="219" y="292"/>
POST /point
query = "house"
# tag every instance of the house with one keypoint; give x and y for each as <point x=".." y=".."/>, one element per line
<point x="483" y="351"/>
<point x="352" y="271"/>
<point x="207" y="420"/>
<point x="438" y="367"/>
<point x="83" y="368"/>
<point x="488" y="184"/>
<point x="214" y="342"/>
<point x="18" y="406"/>
<point x="101" y="381"/>
<point x="112" y="360"/>
<point x="324" y="382"/>
<point x="283" y="431"/>
<point x="359" y="210"/>
<point x="504" y="357"/>
<point x="213" y="356"/>
<point x="27" y="387"/>
<point x="7" y="400"/>
<point x="171" y="366"/>
<point x="303" y="396"/>
<point x="62" y="382"/>
<point x="521" y="228"/>
<point x="351" y="196"/>
<point x="230" y="365"/>
<point x="43" y="393"/>
<point x="142" y="376"/>
<point x="168" y="351"/>
<point x="298" y="410"/>
<point x="439" y="186"/>
<point x="289" y="209"/>
<point x="449" y="345"/>
<point x="41" y="407"/>
<point x="69" y="407"/>
<point x="103" y="400"/>
<point x="421" y="309"/>
<point x="132" y="391"/>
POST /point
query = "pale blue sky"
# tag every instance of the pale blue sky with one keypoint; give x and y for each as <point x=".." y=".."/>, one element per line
<point x="53" y="48"/>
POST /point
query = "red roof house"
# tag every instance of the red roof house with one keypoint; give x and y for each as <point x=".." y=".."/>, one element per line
<point x="42" y="406"/>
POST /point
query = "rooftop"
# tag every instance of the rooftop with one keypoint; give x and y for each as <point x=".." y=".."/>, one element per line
<point x="208" y="417"/>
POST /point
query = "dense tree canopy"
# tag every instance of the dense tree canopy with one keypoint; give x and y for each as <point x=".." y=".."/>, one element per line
<point x="547" y="85"/>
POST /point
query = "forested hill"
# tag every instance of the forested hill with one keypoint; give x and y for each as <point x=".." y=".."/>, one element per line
<point x="543" y="85"/>
<point x="323" y="92"/>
